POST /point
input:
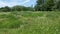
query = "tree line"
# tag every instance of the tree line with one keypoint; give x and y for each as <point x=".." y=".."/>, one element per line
<point x="47" y="5"/>
<point x="15" y="8"/>
<point x="41" y="5"/>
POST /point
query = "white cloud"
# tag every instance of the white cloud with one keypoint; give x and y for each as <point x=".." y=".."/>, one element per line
<point x="26" y="1"/>
<point x="2" y="4"/>
<point x="12" y="2"/>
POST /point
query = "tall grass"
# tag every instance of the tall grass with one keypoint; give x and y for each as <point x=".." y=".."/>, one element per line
<point x="30" y="23"/>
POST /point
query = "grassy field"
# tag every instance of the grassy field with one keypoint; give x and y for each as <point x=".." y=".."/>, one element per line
<point x="29" y="22"/>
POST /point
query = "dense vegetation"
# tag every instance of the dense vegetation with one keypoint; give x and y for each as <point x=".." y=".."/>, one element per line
<point x="29" y="22"/>
<point x="15" y="8"/>
<point x="47" y="5"/>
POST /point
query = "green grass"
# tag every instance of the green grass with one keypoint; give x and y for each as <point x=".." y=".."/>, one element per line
<point x="30" y="23"/>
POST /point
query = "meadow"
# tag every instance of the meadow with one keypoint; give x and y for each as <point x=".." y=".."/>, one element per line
<point x="28" y="22"/>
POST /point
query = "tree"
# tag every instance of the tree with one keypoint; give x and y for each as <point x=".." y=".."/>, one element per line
<point x="16" y="8"/>
<point x="50" y="4"/>
<point x="5" y="9"/>
<point x="58" y="5"/>
<point x="21" y="8"/>
<point x="39" y="5"/>
<point x="44" y="5"/>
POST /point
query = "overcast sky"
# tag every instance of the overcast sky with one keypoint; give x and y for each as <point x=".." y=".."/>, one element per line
<point x="17" y="2"/>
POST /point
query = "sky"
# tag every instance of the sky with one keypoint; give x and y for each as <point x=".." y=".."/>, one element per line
<point x="11" y="3"/>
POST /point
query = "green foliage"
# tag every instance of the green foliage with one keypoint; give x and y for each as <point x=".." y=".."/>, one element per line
<point x="58" y="5"/>
<point x="5" y="9"/>
<point x="9" y="21"/>
<point x="50" y="4"/>
<point x="36" y="23"/>
<point x="15" y="8"/>
<point x="47" y="5"/>
<point x="29" y="14"/>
